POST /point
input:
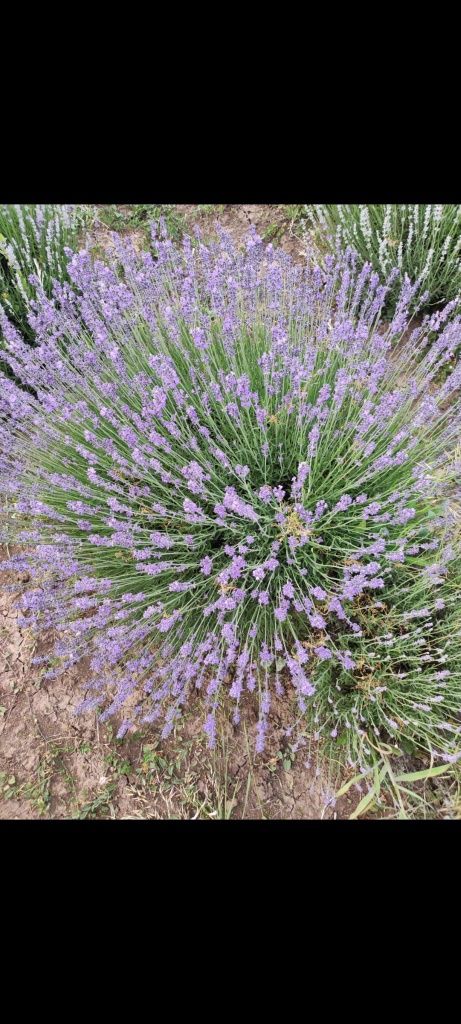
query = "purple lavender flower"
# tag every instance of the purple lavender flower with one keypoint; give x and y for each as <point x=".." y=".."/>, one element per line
<point x="265" y="493"/>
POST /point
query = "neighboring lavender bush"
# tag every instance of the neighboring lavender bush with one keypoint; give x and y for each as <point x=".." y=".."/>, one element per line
<point x="32" y="241"/>
<point x="229" y="485"/>
<point x="423" y="241"/>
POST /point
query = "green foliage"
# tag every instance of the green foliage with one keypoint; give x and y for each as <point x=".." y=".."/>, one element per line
<point x="140" y="216"/>
<point x="295" y="213"/>
<point x="206" y="208"/>
<point x="272" y="232"/>
<point x="100" y="805"/>
<point x="388" y="790"/>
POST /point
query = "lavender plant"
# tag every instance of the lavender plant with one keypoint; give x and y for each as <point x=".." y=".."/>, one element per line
<point x="421" y="240"/>
<point x="32" y="241"/>
<point x="233" y="489"/>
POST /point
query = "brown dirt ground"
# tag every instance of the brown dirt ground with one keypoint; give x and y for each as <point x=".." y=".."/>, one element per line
<point x="271" y="222"/>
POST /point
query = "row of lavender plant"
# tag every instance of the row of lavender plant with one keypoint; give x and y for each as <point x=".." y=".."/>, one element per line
<point x="32" y="242"/>
<point x="235" y="491"/>
<point x="422" y="240"/>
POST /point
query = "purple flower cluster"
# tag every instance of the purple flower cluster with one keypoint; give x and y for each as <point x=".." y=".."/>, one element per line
<point x="177" y="400"/>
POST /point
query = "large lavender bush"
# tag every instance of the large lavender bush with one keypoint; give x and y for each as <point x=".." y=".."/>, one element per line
<point x="232" y="488"/>
<point x="422" y="240"/>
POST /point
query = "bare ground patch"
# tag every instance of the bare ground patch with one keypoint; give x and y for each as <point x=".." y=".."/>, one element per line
<point x="272" y="223"/>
